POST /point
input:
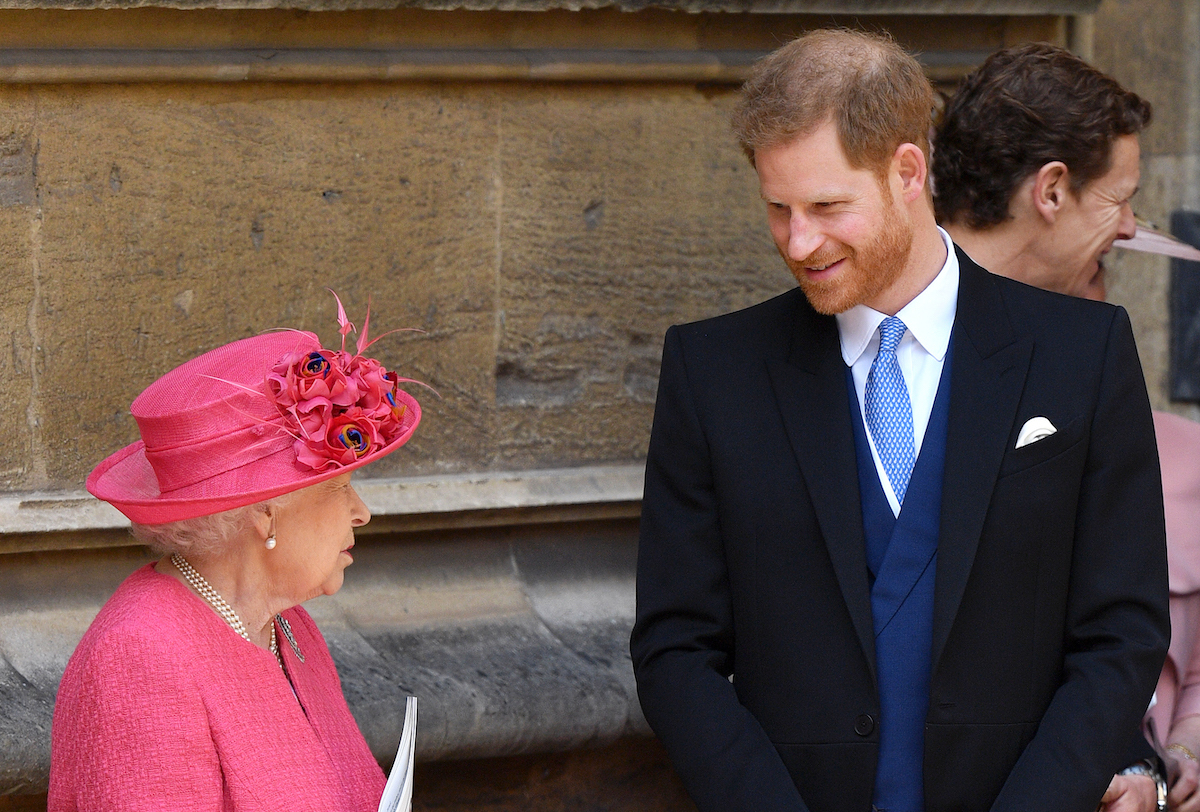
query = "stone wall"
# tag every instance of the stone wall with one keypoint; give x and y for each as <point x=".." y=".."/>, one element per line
<point x="1153" y="48"/>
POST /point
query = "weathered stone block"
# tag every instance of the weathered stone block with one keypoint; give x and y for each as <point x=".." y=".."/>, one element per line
<point x="1150" y="47"/>
<point x="627" y="210"/>
<point x="21" y="359"/>
<point x="21" y="309"/>
<point x="196" y="218"/>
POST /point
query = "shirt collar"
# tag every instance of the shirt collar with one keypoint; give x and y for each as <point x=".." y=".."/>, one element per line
<point x="929" y="316"/>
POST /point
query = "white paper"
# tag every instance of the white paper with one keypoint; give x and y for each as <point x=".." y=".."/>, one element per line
<point x="397" y="795"/>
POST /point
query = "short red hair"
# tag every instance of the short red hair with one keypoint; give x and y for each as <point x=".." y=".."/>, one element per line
<point x="872" y="89"/>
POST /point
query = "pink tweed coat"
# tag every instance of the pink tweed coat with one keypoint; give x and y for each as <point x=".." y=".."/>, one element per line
<point x="163" y="706"/>
<point x="1178" y="691"/>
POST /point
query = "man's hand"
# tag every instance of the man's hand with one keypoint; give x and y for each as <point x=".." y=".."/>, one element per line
<point x="1130" y="793"/>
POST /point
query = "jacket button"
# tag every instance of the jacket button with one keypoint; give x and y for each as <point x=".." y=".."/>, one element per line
<point x="864" y="725"/>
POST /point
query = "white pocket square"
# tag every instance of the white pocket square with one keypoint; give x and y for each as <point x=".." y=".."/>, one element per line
<point x="1035" y="428"/>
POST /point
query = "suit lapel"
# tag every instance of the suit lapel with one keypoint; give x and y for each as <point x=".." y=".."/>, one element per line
<point x="988" y="369"/>
<point x="810" y="388"/>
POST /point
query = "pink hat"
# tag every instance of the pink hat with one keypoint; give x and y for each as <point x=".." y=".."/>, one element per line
<point x="251" y="420"/>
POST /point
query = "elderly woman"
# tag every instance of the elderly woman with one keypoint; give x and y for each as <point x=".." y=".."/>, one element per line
<point x="202" y="684"/>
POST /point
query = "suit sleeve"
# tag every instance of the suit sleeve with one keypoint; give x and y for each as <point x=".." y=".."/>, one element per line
<point x="683" y="641"/>
<point x="1118" y="626"/>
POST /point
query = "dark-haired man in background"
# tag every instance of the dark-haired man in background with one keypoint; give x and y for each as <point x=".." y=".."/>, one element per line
<point x="1036" y="159"/>
<point x="902" y="533"/>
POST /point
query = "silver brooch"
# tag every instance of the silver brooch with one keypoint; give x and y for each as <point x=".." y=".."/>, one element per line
<point x="287" y="632"/>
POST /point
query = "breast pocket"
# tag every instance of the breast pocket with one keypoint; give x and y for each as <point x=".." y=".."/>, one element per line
<point x="1044" y="450"/>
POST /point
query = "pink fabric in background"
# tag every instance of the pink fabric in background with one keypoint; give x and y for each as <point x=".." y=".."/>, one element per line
<point x="164" y="707"/>
<point x="1178" y="691"/>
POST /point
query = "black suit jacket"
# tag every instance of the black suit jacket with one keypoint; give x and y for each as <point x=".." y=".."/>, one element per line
<point x="753" y="645"/>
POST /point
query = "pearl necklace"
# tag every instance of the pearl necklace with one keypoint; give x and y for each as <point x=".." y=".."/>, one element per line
<point x="222" y="607"/>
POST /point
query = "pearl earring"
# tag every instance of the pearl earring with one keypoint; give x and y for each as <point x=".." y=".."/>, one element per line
<point x="270" y="542"/>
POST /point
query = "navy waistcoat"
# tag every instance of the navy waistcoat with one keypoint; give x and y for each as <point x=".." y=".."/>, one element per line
<point x="902" y="561"/>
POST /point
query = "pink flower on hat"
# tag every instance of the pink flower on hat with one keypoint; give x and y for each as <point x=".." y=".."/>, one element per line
<point x="339" y="406"/>
<point x="345" y="439"/>
<point x="318" y="375"/>
<point x="375" y="385"/>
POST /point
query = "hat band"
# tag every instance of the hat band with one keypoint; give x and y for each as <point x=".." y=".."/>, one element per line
<point x="182" y="466"/>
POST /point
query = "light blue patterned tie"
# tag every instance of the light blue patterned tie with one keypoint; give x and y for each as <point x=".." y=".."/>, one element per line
<point x="889" y="412"/>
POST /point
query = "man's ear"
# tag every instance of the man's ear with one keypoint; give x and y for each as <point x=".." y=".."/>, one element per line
<point x="1051" y="186"/>
<point x="909" y="163"/>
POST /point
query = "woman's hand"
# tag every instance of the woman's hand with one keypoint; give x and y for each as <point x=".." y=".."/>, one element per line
<point x="1183" y="797"/>
<point x="1183" y="744"/>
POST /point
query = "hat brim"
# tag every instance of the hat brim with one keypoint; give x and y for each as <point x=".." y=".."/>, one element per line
<point x="126" y="480"/>
<point x="1150" y="240"/>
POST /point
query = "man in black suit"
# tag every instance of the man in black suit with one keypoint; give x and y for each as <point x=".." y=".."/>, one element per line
<point x="1036" y="164"/>
<point x="902" y="534"/>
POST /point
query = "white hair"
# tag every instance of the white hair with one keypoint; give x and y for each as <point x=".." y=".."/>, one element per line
<point x="202" y="535"/>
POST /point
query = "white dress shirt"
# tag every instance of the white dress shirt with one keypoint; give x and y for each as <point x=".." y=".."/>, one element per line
<point x="922" y="351"/>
